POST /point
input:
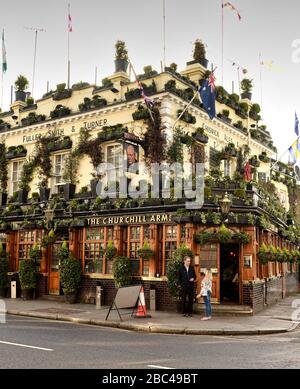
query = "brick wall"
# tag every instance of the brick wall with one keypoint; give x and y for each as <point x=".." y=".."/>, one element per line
<point x="253" y="293"/>
<point x="163" y="299"/>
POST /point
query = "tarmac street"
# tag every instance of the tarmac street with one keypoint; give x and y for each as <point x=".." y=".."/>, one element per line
<point x="41" y="343"/>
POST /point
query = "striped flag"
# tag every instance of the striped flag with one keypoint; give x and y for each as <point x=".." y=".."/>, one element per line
<point x="4" y="61"/>
<point x="70" y="27"/>
<point x="233" y="8"/>
<point x="294" y="151"/>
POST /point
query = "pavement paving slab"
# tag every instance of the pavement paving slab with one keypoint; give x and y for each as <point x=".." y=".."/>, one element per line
<point x="276" y="319"/>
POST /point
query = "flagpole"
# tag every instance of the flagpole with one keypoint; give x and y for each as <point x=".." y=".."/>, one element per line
<point x="261" y="86"/>
<point x="135" y="76"/>
<point x="69" y="67"/>
<point x="283" y="154"/>
<point x="222" y="42"/>
<point x="164" y="32"/>
<point x="185" y="109"/>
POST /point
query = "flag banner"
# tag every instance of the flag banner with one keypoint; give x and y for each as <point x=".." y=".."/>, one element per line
<point x="208" y="96"/>
<point x="149" y="102"/>
<point x="296" y="124"/>
<point x="233" y="8"/>
<point x="270" y="65"/>
<point x="70" y="27"/>
<point x="294" y="151"/>
<point x="4" y="61"/>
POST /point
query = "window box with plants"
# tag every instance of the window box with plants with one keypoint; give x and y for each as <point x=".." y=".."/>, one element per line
<point x="221" y="95"/>
<point x="263" y="157"/>
<point x="61" y="92"/>
<point x="142" y="113"/>
<point x="182" y="216"/>
<point x="229" y="151"/>
<point x="200" y="136"/>
<point x="80" y="85"/>
<point x="12" y="210"/>
<point x="95" y="102"/>
<point x="78" y="223"/>
<point x="224" y="115"/>
<point x="60" y="111"/>
<point x="145" y="252"/>
<point x="109" y="133"/>
<point x="4" y="126"/>
<point x="148" y="73"/>
<point x="233" y="101"/>
<point x="135" y="94"/>
<point x="254" y="112"/>
<point x="61" y="144"/>
<point x="254" y="161"/>
<point x="32" y="118"/>
<point x="16" y="152"/>
<point x="187" y="117"/>
<point x="4" y="226"/>
<point x="242" y="110"/>
<point x="199" y="54"/>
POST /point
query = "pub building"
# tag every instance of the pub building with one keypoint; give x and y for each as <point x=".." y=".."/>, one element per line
<point x="257" y="211"/>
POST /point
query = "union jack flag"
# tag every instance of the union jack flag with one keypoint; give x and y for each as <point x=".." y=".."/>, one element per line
<point x="149" y="102"/>
<point x="233" y="8"/>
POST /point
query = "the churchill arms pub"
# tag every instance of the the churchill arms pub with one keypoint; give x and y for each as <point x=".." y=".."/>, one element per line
<point x="245" y="231"/>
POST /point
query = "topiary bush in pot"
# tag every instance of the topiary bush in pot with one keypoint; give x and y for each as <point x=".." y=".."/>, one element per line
<point x="70" y="271"/>
<point x="122" y="271"/>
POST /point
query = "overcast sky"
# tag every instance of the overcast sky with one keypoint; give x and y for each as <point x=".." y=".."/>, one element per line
<point x="269" y="26"/>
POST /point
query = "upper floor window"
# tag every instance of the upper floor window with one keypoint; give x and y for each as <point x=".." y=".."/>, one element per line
<point x="15" y="175"/>
<point x="114" y="156"/>
<point x="227" y="169"/>
<point x="58" y="167"/>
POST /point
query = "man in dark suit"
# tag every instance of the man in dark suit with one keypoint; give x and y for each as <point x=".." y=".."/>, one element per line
<point x="187" y="279"/>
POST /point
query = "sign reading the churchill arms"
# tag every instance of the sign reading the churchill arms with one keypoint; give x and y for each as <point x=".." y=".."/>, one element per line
<point x="130" y="219"/>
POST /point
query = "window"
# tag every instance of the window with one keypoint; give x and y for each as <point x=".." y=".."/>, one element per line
<point x="114" y="157"/>
<point x="168" y="238"/>
<point x="226" y="168"/>
<point x="26" y="240"/>
<point x="15" y="175"/>
<point x="133" y="239"/>
<point x="262" y="177"/>
<point x="59" y="165"/>
<point x="92" y="244"/>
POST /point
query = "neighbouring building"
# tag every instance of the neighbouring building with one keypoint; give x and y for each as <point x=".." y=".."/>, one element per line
<point x="114" y="116"/>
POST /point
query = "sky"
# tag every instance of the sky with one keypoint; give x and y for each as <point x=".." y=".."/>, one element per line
<point x="267" y="26"/>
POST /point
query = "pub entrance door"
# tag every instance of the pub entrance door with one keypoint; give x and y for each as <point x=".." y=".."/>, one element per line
<point x="54" y="284"/>
<point x="229" y="273"/>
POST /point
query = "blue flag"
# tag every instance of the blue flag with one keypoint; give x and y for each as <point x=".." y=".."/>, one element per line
<point x="208" y="96"/>
<point x="296" y="124"/>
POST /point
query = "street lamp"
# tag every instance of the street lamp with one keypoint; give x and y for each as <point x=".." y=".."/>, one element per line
<point x="225" y="204"/>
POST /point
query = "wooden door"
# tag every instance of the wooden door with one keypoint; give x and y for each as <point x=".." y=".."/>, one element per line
<point x="209" y="258"/>
<point x="54" y="284"/>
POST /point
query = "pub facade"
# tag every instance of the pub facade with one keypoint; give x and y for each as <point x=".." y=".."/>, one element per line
<point x="115" y="115"/>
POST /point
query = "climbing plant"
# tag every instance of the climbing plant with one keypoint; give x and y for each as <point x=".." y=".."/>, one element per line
<point x="3" y="168"/>
<point x="154" y="139"/>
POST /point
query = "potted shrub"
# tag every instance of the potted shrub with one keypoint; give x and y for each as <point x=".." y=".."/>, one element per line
<point x="122" y="271"/>
<point x="182" y="216"/>
<point x="70" y="275"/>
<point x="246" y="87"/>
<point x="21" y="84"/>
<point x="27" y="277"/>
<point x="199" y="54"/>
<point x="225" y="115"/>
<point x="121" y="59"/>
<point x="254" y="112"/>
<point x="173" y="267"/>
<point x="3" y="271"/>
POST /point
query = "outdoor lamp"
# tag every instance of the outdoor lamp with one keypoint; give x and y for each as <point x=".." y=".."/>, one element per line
<point x="49" y="215"/>
<point x="225" y="204"/>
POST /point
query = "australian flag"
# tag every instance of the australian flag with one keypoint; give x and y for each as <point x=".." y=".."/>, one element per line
<point x="208" y="96"/>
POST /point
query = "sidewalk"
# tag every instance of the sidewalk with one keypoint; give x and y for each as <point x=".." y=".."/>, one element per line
<point x="276" y="319"/>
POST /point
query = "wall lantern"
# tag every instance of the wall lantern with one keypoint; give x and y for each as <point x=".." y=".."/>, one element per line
<point x="225" y="204"/>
